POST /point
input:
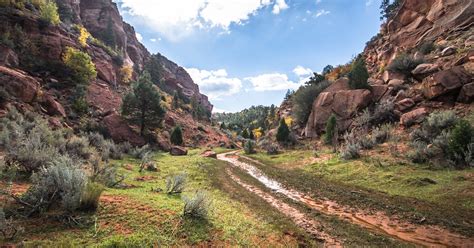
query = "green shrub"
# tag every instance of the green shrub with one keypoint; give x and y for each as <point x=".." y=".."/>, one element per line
<point x="176" y="137"/>
<point x="462" y="136"/>
<point x="359" y="75"/>
<point x="303" y="100"/>
<point x="197" y="206"/>
<point x="404" y="64"/>
<point x="273" y="149"/>
<point x="249" y="147"/>
<point x="90" y="196"/>
<point x="49" y="12"/>
<point x="176" y="184"/>
<point x="80" y="64"/>
<point x="8" y="229"/>
<point x="79" y="147"/>
<point x="330" y="129"/>
<point x="283" y="132"/>
<point x="426" y="47"/>
<point x="382" y="133"/>
<point x="434" y="125"/>
<point x="420" y="152"/>
<point x="351" y="147"/>
<point x="389" y="8"/>
<point x="140" y="152"/>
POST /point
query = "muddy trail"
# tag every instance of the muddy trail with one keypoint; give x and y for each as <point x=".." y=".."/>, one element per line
<point x="377" y="222"/>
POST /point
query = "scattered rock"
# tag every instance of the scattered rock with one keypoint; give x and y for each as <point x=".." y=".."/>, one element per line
<point x="448" y="51"/>
<point x="405" y="104"/>
<point x="209" y="154"/>
<point x="389" y="75"/>
<point x="178" y="151"/>
<point x="52" y="106"/>
<point x="425" y="70"/>
<point x="55" y="123"/>
<point x="469" y="41"/>
<point x="444" y="82"/>
<point x="8" y="57"/>
<point x="396" y="82"/>
<point x="400" y="96"/>
<point x="414" y="116"/>
<point x="17" y="83"/>
<point x="467" y="93"/>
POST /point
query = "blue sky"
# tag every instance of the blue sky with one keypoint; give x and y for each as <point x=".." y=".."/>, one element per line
<point x="250" y="52"/>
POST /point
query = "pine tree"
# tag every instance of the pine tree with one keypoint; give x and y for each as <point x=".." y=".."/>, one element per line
<point x="283" y="132"/>
<point x="175" y="100"/>
<point x="330" y="130"/>
<point x="251" y="135"/>
<point x="142" y="106"/>
<point x="176" y="137"/>
<point x="223" y="126"/>
<point x="359" y="75"/>
<point x="245" y="134"/>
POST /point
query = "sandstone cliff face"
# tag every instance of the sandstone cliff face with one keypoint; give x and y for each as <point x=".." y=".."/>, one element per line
<point x="443" y="81"/>
<point x="31" y="73"/>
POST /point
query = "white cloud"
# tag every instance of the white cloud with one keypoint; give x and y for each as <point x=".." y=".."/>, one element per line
<point x="215" y="84"/>
<point x="322" y="13"/>
<point x="300" y="71"/>
<point x="153" y="40"/>
<point x="176" y="19"/>
<point x="271" y="82"/>
<point x="279" y="6"/>
<point x="139" y="37"/>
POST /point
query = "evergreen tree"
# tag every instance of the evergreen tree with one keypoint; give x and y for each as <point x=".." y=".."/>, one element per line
<point x="251" y="135"/>
<point x="328" y="69"/>
<point x="388" y="10"/>
<point x="142" y="106"/>
<point x="359" y="75"/>
<point x="176" y="137"/>
<point x="288" y="95"/>
<point x="315" y="79"/>
<point x="223" y="126"/>
<point x="283" y="132"/>
<point x="330" y="130"/>
<point x="175" y="103"/>
<point x="461" y="138"/>
<point x="245" y="134"/>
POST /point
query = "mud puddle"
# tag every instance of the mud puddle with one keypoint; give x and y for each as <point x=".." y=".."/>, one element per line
<point x="378" y="222"/>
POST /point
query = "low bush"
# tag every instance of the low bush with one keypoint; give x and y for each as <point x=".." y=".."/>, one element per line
<point x="140" y="152"/>
<point x="147" y="163"/>
<point x="79" y="147"/>
<point x="176" y="184"/>
<point x="8" y="229"/>
<point x="90" y="196"/>
<point x="107" y="175"/>
<point x="461" y="142"/>
<point x="382" y="133"/>
<point x="434" y="125"/>
<point x="249" y="147"/>
<point x="426" y="47"/>
<point x="4" y="96"/>
<point x="273" y="149"/>
<point x="330" y="130"/>
<point x="420" y="152"/>
<point x="62" y="182"/>
<point x="404" y="64"/>
<point x="176" y="137"/>
<point x="358" y="76"/>
<point x="351" y="148"/>
<point x="197" y="206"/>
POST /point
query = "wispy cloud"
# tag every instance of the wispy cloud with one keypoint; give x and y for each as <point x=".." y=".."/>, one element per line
<point x="215" y="83"/>
<point x="322" y="12"/>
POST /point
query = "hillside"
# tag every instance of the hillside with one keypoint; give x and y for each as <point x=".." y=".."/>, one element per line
<point x="34" y="74"/>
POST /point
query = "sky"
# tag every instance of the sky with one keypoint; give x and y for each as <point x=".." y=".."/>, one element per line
<point x="250" y="52"/>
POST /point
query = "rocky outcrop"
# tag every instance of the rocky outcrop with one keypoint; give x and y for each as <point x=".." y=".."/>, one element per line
<point x="444" y="82"/>
<point x="8" y="57"/>
<point x="52" y="106"/>
<point x="467" y="93"/>
<point x="120" y="131"/>
<point x="343" y="103"/>
<point x="413" y="117"/>
<point x="18" y="84"/>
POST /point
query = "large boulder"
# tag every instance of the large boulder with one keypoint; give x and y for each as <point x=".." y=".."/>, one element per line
<point x="17" y="83"/>
<point x="52" y="106"/>
<point x="405" y="104"/>
<point x="445" y="82"/>
<point x="424" y="70"/>
<point x="178" y="151"/>
<point x="413" y="117"/>
<point x="467" y="93"/>
<point x="120" y="131"/>
<point x="344" y="104"/>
